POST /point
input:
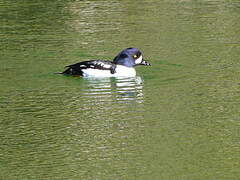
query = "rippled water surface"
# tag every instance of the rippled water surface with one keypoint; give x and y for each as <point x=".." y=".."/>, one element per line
<point x="178" y="119"/>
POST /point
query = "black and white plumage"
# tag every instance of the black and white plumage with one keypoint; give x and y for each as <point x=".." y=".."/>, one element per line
<point x="78" y="68"/>
<point x="122" y="65"/>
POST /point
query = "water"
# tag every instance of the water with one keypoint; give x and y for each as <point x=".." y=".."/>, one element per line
<point x="178" y="119"/>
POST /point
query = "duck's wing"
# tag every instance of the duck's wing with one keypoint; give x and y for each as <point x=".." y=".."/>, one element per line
<point x="76" y="69"/>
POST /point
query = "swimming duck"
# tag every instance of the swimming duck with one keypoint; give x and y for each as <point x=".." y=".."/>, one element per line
<point x="121" y="66"/>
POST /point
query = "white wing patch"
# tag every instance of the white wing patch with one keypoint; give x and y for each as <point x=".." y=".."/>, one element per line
<point x="139" y="60"/>
<point x="96" y="64"/>
<point x="107" y="66"/>
<point x="102" y="64"/>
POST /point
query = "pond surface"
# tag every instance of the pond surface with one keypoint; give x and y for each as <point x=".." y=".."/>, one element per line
<point x="178" y="119"/>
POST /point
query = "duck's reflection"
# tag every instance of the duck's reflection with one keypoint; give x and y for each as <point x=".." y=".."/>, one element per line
<point x="121" y="90"/>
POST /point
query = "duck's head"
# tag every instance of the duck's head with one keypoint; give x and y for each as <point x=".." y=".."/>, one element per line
<point x="130" y="57"/>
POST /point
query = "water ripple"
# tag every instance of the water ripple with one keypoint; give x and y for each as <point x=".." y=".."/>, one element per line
<point x="123" y="90"/>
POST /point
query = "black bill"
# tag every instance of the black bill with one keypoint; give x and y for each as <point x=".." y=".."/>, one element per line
<point x="145" y="63"/>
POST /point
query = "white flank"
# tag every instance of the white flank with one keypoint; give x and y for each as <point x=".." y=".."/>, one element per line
<point x="121" y="71"/>
<point x="138" y="60"/>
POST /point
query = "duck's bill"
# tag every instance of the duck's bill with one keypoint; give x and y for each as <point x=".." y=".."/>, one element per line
<point x="145" y="63"/>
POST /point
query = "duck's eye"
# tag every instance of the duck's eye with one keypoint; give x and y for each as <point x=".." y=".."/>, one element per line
<point x="135" y="56"/>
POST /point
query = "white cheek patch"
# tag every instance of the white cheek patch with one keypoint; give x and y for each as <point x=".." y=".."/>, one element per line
<point x="138" y="60"/>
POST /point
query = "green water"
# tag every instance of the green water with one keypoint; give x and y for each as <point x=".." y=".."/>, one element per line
<point x="178" y="119"/>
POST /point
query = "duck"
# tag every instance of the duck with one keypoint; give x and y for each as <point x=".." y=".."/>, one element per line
<point x="123" y="65"/>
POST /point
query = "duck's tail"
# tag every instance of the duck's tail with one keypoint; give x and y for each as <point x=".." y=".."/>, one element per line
<point x="70" y="71"/>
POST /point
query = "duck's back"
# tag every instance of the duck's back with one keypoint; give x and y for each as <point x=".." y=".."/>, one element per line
<point x="81" y="68"/>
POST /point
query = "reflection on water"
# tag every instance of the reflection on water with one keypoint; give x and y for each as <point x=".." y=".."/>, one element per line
<point x="90" y="15"/>
<point x="121" y="90"/>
